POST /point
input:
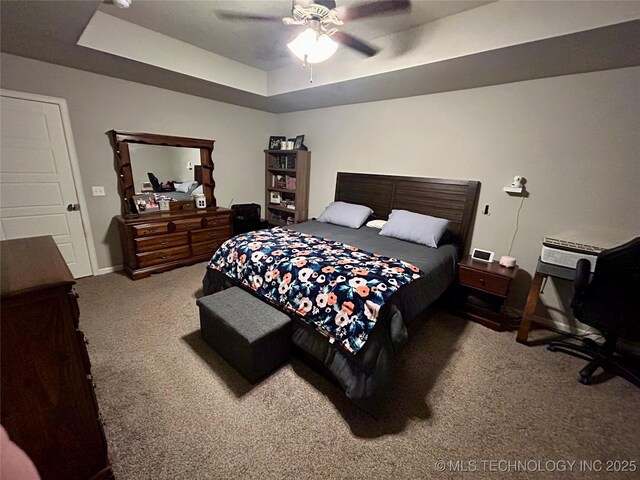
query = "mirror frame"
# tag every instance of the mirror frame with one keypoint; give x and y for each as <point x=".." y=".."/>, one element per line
<point x="120" y="142"/>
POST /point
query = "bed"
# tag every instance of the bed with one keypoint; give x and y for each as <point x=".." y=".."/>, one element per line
<point x="365" y="375"/>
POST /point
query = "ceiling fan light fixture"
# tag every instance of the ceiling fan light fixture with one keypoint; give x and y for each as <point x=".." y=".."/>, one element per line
<point x="311" y="47"/>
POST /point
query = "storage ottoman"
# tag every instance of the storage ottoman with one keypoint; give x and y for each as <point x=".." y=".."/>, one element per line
<point x="251" y="335"/>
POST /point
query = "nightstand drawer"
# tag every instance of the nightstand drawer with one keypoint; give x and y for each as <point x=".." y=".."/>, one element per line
<point x="484" y="281"/>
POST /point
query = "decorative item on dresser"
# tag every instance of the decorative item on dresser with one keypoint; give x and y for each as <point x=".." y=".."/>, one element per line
<point x="482" y="291"/>
<point x="155" y="241"/>
<point x="49" y="408"/>
<point x="287" y="186"/>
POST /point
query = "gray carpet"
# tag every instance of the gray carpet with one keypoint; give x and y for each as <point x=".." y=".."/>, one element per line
<point x="176" y="410"/>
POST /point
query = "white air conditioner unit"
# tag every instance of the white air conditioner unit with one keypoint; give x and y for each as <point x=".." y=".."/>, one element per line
<point x="567" y="248"/>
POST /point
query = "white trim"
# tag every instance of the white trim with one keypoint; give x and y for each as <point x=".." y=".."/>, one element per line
<point x="561" y="326"/>
<point x="115" y="268"/>
<point x="73" y="159"/>
<point x="556" y="324"/>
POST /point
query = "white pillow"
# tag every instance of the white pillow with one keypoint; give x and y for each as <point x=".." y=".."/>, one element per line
<point x="415" y="228"/>
<point x="345" y="214"/>
<point x="197" y="190"/>
<point x="184" y="187"/>
<point x="376" y="223"/>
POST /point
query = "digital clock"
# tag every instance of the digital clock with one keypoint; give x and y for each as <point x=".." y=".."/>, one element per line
<point x="482" y="255"/>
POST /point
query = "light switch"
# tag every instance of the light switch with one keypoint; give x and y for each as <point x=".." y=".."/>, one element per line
<point x="98" y="190"/>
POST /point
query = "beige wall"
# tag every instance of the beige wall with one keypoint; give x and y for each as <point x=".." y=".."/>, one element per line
<point x="98" y="103"/>
<point x="576" y="139"/>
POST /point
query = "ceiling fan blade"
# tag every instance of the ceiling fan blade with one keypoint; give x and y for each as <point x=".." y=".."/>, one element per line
<point x="231" y="15"/>
<point x="355" y="43"/>
<point x="371" y="9"/>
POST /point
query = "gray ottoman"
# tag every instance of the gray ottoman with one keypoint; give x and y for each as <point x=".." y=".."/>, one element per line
<point x="251" y="335"/>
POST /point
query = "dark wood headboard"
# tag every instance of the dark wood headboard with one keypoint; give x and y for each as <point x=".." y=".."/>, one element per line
<point x="454" y="200"/>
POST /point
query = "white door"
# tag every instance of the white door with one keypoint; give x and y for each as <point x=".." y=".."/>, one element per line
<point x="36" y="180"/>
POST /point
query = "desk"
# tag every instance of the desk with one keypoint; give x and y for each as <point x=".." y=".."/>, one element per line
<point x="543" y="271"/>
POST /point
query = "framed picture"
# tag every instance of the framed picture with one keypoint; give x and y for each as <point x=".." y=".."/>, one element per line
<point x="274" y="142"/>
<point x="274" y="197"/>
<point x="299" y="142"/>
<point x="145" y="203"/>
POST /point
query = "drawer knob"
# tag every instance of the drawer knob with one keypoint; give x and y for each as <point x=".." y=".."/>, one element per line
<point x="482" y="280"/>
<point x="164" y="242"/>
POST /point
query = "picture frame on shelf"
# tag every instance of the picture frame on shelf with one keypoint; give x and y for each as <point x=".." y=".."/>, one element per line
<point x="275" y="198"/>
<point x="299" y="142"/>
<point x="275" y="142"/>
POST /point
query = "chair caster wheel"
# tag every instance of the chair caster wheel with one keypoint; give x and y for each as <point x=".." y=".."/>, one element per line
<point x="584" y="380"/>
<point x="551" y="348"/>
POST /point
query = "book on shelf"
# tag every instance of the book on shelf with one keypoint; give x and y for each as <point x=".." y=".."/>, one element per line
<point x="287" y="162"/>
<point x="278" y="181"/>
<point x="290" y="182"/>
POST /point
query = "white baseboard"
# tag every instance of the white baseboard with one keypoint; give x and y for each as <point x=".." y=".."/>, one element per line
<point x="555" y="324"/>
<point x="104" y="271"/>
<point x="561" y="326"/>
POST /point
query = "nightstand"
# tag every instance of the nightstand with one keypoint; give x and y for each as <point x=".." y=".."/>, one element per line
<point x="482" y="291"/>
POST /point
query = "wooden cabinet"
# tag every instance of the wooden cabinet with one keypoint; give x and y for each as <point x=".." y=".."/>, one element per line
<point x="153" y="243"/>
<point x="49" y="407"/>
<point x="287" y="186"/>
<point x="482" y="291"/>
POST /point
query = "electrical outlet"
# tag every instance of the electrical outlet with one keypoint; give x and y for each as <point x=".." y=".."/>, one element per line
<point x="98" y="190"/>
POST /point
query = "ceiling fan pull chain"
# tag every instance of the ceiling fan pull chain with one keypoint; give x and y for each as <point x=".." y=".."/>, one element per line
<point x="311" y="74"/>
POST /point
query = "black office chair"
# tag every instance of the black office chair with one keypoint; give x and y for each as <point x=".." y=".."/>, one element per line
<point x="155" y="183"/>
<point x="609" y="303"/>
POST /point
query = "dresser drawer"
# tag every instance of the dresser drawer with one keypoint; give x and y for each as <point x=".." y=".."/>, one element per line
<point x="187" y="224"/>
<point x="161" y="241"/>
<point x="162" y="256"/>
<point x="217" y="221"/>
<point x="205" y="247"/>
<point x="222" y="233"/>
<point x="484" y="281"/>
<point x="148" y="229"/>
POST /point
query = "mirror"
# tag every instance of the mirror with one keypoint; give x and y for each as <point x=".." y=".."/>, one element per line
<point x="158" y="173"/>
<point x="171" y="166"/>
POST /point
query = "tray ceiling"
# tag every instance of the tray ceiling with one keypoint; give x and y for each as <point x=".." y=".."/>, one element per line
<point x="439" y="46"/>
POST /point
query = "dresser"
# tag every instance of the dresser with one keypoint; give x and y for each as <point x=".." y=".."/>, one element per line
<point x="49" y="407"/>
<point x="154" y="243"/>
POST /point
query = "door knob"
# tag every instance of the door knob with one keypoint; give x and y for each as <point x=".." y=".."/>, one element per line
<point x="73" y="207"/>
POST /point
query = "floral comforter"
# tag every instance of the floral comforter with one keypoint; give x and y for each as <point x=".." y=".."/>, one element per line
<point x="337" y="288"/>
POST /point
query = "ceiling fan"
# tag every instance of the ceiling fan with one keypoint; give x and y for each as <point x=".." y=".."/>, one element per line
<point x="321" y="19"/>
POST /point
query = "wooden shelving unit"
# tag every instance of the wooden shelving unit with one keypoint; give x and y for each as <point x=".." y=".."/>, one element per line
<point x="287" y="186"/>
